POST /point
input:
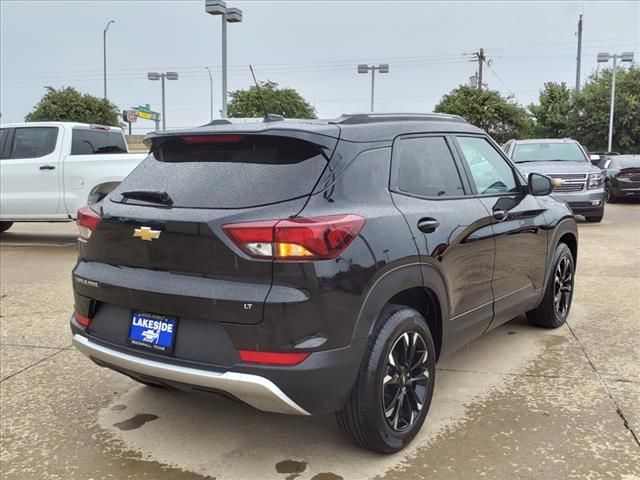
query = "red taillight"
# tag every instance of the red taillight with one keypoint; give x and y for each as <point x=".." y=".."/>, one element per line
<point x="194" y="139"/>
<point x="87" y="221"/>
<point x="273" y="358"/>
<point x="82" y="320"/>
<point x="316" y="238"/>
<point x="629" y="175"/>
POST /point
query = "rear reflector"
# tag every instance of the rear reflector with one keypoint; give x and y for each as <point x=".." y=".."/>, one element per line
<point x="82" y="320"/>
<point x="316" y="238"/>
<point x="193" y="139"/>
<point x="87" y="221"/>
<point x="273" y="358"/>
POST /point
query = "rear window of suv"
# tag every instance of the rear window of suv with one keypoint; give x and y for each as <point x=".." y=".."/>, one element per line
<point x="228" y="171"/>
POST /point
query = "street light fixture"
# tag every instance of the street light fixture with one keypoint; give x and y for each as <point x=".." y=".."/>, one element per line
<point x="231" y="15"/>
<point x="364" y="68"/>
<point x="604" y="58"/>
<point x="162" y="76"/>
<point x="104" y="54"/>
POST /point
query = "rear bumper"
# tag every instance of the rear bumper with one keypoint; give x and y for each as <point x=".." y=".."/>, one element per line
<point x="320" y="384"/>
<point x="626" y="192"/>
<point x="255" y="390"/>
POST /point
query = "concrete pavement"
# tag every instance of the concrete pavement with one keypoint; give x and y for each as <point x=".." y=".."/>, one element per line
<point x="518" y="403"/>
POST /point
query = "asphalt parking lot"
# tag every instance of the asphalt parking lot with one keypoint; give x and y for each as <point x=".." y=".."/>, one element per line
<point x="518" y="403"/>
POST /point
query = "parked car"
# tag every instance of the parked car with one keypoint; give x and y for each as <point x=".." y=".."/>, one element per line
<point x="306" y="267"/>
<point x="622" y="176"/>
<point x="580" y="183"/>
<point x="49" y="170"/>
<point x="596" y="156"/>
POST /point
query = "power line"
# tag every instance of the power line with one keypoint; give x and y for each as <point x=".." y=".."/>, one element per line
<point x="511" y="92"/>
<point x="326" y="63"/>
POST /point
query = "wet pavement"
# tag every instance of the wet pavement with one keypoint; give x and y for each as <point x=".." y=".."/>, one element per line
<point x="518" y="403"/>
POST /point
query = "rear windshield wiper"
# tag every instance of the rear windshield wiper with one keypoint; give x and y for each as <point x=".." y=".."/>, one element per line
<point x="152" y="196"/>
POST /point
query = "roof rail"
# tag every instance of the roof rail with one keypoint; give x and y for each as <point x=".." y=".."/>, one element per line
<point x="272" y="117"/>
<point x="218" y="121"/>
<point x="364" y="118"/>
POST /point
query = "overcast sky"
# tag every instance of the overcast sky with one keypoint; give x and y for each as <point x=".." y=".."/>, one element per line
<point x="312" y="46"/>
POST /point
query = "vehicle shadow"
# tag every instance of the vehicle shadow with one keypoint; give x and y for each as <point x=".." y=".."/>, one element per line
<point x="22" y="238"/>
<point x="224" y="439"/>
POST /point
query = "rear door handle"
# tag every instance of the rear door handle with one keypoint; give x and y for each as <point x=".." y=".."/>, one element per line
<point x="428" y="225"/>
<point x="47" y="167"/>
<point x="500" y="215"/>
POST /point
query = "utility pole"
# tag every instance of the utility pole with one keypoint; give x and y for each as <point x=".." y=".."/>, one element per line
<point x="579" y="57"/>
<point x="481" y="58"/>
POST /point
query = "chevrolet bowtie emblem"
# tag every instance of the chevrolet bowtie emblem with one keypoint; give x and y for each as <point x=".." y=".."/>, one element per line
<point x="558" y="181"/>
<point x="146" y="233"/>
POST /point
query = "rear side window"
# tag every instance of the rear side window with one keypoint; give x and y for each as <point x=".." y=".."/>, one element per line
<point x="33" y="142"/>
<point x="228" y="171"/>
<point x="93" y="141"/>
<point x="425" y="167"/>
<point x="4" y="133"/>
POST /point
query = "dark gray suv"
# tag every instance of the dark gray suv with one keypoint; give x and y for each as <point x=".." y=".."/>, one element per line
<point x="306" y="267"/>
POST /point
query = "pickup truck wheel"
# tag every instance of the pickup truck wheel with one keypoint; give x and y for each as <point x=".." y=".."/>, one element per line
<point x="556" y="303"/>
<point x="391" y="397"/>
<point x="4" y="226"/>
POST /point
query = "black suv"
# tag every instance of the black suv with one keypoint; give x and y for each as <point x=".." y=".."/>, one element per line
<point x="306" y="267"/>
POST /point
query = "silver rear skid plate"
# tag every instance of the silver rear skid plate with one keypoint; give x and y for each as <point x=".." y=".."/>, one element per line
<point x="254" y="390"/>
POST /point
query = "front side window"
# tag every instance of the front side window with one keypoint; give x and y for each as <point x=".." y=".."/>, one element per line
<point x="491" y="173"/>
<point x="33" y="142"/>
<point x="425" y="167"/>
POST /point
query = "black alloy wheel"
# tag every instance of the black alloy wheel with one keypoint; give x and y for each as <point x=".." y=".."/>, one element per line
<point x="405" y="383"/>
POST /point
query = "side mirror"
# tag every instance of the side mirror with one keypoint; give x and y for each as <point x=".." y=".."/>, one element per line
<point x="540" y="185"/>
<point x="595" y="158"/>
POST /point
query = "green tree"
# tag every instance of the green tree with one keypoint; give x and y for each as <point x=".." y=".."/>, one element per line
<point x="281" y="101"/>
<point x="590" y="115"/>
<point x="553" y="114"/>
<point x="500" y="117"/>
<point x="69" y="105"/>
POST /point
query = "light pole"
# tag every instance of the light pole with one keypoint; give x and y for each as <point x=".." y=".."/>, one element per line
<point x="364" y="68"/>
<point x="104" y="54"/>
<point x="162" y="76"/>
<point x="210" y="91"/>
<point x="231" y="15"/>
<point x="604" y="58"/>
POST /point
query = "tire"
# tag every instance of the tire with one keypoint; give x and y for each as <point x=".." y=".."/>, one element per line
<point x="406" y="393"/>
<point x="550" y="314"/>
<point x="4" y="226"/>
<point x="595" y="218"/>
<point x="611" y="197"/>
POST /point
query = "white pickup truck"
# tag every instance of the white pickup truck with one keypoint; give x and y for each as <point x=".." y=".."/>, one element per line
<point x="48" y="170"/>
